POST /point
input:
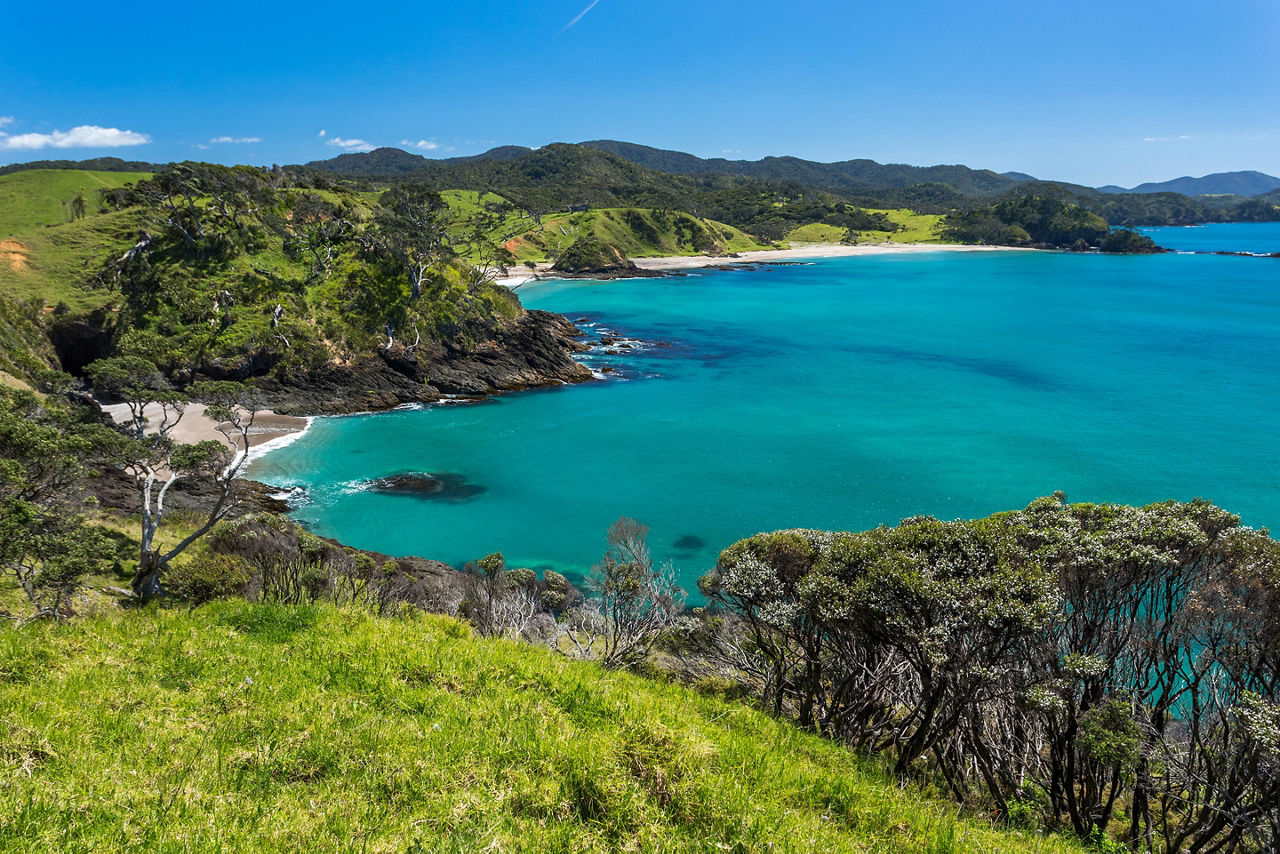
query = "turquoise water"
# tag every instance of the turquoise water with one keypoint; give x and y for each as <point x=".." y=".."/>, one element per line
<point x="843" y="394"/>
<point x="1258" y="237"/>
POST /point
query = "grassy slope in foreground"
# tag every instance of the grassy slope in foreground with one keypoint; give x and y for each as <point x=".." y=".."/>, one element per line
<point x="244" y="726"/>
<point x="34" y="199"/>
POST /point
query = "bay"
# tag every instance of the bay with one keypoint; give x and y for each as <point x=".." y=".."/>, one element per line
<point x="841" y="394"/>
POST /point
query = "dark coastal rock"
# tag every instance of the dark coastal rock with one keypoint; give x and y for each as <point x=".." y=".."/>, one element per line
<point x="116" y="490"/>
<point x="689" y="543"/>
<point x="440" y="486"/>
<point x="535" y="350"/>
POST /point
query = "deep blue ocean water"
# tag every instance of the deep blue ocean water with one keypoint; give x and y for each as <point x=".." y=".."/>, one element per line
<point x="842" y="394"/>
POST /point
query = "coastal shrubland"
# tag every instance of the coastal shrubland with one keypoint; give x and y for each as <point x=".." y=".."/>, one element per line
<point x="1107" y="669"/>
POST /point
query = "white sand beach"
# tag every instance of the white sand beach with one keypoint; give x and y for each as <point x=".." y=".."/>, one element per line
<point x="269" y="428"/>
<point x="803" y="252"/>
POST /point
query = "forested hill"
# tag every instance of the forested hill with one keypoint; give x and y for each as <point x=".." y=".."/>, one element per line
<point x="742" y="193"/>
<point x="843" y="176"/>
<point x="1218" y="184"/>
<point x="849" y="176"/>
<point x="97" y="164"/>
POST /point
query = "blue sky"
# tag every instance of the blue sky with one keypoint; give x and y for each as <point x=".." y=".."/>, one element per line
<point x="1092" y="92"/>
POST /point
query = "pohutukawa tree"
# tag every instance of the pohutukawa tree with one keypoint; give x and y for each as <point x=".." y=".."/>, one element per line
<point x="44" y="545"/>
<point x="410" y="226"/>
<point x="156" y="462"/>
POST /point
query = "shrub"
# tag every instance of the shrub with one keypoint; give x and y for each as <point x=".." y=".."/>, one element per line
<point x="210" y="576"/>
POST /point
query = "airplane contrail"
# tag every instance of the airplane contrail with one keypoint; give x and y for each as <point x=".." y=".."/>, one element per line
<point x="579" y="18"/>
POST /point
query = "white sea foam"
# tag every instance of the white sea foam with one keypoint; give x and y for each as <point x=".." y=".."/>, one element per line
<point x="283" y="441"/>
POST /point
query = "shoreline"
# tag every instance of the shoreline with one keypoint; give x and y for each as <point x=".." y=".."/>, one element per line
<point x="269" y="432"/>
<point x="810" y="251"/>
<point x="804" y="252"/>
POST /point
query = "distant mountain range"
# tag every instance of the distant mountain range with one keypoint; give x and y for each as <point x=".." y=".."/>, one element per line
<point x="844" y="177"/>
<point x="847" y="176"/>
<point x="1217" y="184"/>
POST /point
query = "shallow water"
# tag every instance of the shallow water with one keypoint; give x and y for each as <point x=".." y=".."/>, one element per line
<point x="845" y="394"/>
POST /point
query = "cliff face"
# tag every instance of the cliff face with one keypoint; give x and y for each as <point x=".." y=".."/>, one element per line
<point x="534" y="350"/>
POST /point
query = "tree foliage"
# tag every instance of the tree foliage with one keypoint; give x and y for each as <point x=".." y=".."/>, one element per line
<point x="1124" y="662"/>
<point x="630" y="603"/>
<point x="45" y="451"/>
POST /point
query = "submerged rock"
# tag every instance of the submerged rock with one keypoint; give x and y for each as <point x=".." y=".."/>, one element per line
<point x="689" y="543"/>
<point x="441" y="486"/>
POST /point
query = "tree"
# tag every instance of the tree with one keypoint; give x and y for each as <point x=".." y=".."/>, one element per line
<point x="410" y="226"/>
<point x="44" y="544"/>
<point x="156" y="462"/>
<point x="1106" y="663"/>
<point x="79" y="204"/>
<point x="316" y="228"/>
<point x="499" y="601"/>
<point x="630" y="602"/>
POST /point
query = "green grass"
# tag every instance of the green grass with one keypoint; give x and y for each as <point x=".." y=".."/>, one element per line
<point x="34" y="198"/>
<point x="915" y="228"/>
<point x="56" y="264"/>
<point x="815" y="232"/>
<point x="250" y="727"/>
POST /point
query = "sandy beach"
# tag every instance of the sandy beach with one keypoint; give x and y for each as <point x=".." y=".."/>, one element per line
<point x="803" y="252"/>
<point x="807" y="252"/>
<point x="268" y="428"/>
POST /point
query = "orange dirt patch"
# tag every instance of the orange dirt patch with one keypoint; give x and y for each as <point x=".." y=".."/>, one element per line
<point x="15" y="253"/>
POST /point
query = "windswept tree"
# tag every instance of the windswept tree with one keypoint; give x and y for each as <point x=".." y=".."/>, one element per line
<point x="155" y="461"/>
<point x="315" y="228"/>
<point x="1089" y="664"/>
<point x="630" y="603"/>
<point x="499" y="601"/>
<point x="410" y="225"/>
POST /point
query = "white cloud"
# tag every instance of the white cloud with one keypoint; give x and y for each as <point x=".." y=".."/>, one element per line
<point x="1166" y="138"/>
<point x="235" y="140"/>
<point x="321" y="134"/>
<point x="83" y="136"/>
<point x="351" y="144"/>
<point x="6" y="120"/>
<point x="423" y="144"/>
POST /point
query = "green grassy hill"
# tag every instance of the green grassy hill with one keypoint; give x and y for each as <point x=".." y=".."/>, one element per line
<point x="913" y="228"/>
<point x="637" y="232"/>
<point x="35" y="198"/>
<point x="254" y="727"/>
